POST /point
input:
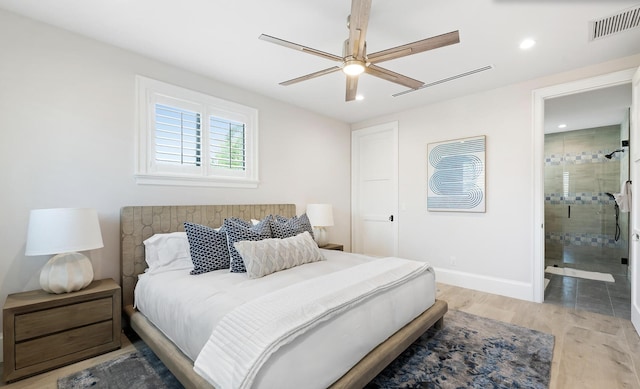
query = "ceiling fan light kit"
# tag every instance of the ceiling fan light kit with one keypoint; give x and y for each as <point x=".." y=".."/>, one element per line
<point x="355" y="60"/>
<point x="353" y="67"/>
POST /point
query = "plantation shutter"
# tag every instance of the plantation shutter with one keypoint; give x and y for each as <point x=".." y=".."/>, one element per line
<point x="178" y="137"/>
<point x="227" y="144"/>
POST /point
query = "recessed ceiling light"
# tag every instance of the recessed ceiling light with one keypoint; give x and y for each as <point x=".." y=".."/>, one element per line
<point x="562" y="126"/>
<point x="527" y="44"/>
<point x="359" y="97"/>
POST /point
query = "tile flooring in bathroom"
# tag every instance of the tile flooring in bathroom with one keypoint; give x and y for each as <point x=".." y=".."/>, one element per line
<point x="607" y="298"/>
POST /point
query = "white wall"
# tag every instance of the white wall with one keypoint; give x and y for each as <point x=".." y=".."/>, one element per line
<point x="67" y="121"/>
<point x="492" y="251"/>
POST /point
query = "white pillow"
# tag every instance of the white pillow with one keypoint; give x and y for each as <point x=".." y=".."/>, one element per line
<point x="268" y="256"/>
<point x="164" y="252"/>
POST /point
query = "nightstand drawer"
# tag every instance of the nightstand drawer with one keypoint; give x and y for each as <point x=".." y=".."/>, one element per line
<point x="44" y="331"/>
<point x="49" y="321"/>
<point x="64" y="343"/>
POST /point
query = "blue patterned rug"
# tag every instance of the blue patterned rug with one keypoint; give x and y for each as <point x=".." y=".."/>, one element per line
<point x="469" y="352"/>
<point x="472" y="352"/>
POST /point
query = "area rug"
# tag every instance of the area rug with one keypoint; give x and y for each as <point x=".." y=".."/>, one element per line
<point x="468" y="352"/>
<point x="472" y="352"/>
<point x="590" y="275"/>
<point x="138" y="370"/>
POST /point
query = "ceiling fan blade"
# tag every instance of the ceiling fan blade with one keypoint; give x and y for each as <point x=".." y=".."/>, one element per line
<point x="295" y="46"/>
<point x="434" y="42"/>
<point x="358" y="21"/>
<point x="352" y="88"/>
<point x="312" y="75"/>
<point x="393" y="77"/>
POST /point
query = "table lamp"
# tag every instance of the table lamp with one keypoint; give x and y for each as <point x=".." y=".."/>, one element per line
<point x="320" y="216"/>
<point x="64" y="231"/>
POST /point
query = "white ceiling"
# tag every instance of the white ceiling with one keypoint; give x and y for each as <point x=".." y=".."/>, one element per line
<point x="219" y="39"/>
<point x="598" y="108"/>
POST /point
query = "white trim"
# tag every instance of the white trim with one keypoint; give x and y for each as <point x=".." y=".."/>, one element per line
<point x="537" y="142"/>
<point x="499" y="286"/>
<point x="1" y="354"/>
<point x="149" y="172"/>
<point x="634" y="133"/>
<point x="156" y="179"/>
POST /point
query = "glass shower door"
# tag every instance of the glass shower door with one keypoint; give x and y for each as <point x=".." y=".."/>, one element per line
<point x="581" y="226"/>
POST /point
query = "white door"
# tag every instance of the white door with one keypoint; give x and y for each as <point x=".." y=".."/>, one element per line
<point x="635" y="206"/>
<point x="374" y="190"/>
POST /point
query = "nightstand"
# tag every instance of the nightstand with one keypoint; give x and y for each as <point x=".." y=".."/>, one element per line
<point x="44" y="331"/>
<point x="333" y="246"/>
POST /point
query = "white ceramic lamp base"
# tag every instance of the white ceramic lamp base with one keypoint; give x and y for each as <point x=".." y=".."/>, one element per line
<point x="66" y="273"/>
<point x="320" y="234"/>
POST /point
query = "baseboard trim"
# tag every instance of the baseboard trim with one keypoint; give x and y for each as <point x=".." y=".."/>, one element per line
<point x="494" y="285"/>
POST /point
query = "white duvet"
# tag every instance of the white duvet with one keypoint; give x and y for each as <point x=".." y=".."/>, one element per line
<point x="188" y="308"/>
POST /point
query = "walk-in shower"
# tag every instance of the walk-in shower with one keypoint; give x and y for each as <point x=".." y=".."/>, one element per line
<point x="584" y="228"/>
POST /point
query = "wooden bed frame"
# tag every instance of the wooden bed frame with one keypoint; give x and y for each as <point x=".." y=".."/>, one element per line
<point x="141" y="222"/>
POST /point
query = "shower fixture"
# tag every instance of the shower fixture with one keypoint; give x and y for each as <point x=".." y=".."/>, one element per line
<point x="608" y="156"/>
<point x="617" y="209"/>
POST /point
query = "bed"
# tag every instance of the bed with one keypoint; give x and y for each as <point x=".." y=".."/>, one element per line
<point x="140" y="223"/>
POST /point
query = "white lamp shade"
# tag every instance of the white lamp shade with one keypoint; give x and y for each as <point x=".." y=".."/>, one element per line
<point x="63" y="230"/>
<point x="320" y="215"/>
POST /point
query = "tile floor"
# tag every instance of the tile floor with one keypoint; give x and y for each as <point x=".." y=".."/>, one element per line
<point x="606" y="298"/>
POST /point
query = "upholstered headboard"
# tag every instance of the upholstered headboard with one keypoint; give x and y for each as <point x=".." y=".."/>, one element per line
<point x="139" y="223"/>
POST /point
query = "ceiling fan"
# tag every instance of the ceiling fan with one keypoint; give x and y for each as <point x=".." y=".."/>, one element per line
<point x="355" y="59"/>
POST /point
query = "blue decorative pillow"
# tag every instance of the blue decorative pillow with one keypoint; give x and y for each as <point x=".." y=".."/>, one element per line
<point x="239" y="230"/>
<point x="209" y="248"/>
<point x="282" y="228"/>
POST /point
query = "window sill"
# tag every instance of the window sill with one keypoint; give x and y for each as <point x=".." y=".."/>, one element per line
<point x="148" y="179"/>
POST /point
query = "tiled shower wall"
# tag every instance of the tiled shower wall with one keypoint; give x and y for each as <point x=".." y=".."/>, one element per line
<point x="577" y="210"/>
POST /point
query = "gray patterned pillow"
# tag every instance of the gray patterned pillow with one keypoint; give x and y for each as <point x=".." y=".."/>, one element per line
<point x="271" y="255"/>
<point x="238" y="230"/>
<point x="208" y="247"/>
<point x="281" y="227"/>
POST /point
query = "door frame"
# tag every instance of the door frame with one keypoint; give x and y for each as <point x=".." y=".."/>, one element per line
<point x="355" y="166"/>
<point x="634" y="156"/>
<point x="538" y="99"/>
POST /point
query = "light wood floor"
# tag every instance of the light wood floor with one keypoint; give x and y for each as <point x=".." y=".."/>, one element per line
<point x="591" y="350"/>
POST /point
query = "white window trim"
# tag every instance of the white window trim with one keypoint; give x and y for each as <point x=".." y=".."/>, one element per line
<point x="147" y="173"/>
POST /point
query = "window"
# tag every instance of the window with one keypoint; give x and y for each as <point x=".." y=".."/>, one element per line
<point x="227" y="144"/>
<point x="177" y="136"/>
<point x="189" y="138"/>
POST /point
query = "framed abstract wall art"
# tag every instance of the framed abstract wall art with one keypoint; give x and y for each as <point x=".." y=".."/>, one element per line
<point x="456" y="175"/>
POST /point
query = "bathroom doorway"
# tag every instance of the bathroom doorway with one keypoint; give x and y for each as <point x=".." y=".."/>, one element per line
<point x="586" y="231"/>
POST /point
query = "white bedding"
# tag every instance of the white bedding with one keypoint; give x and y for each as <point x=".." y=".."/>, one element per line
<point x="187" y="308"/>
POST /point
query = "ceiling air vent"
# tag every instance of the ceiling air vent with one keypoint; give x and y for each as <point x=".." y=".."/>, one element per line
<point x="442" y="81"/>
<point x="622" y="21"/>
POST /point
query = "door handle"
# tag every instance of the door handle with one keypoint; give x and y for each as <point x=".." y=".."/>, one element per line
<point x="636" y="237"/>
<point x="391" y="218"/>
